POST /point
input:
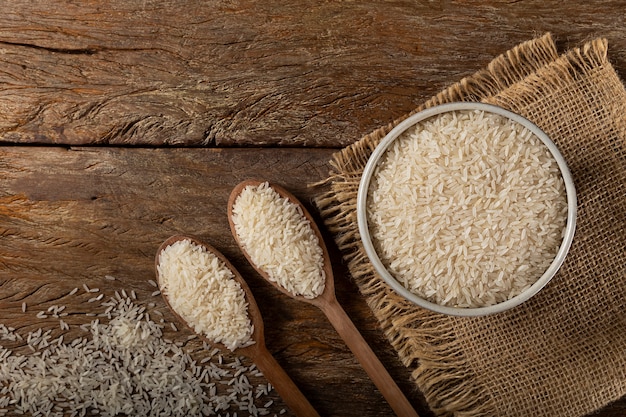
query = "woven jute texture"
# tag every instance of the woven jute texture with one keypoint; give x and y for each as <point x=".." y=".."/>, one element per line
<point x="563" y="352"/>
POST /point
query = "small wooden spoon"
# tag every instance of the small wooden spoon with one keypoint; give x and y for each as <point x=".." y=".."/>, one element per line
<point x="327" y="302"/>
<point x="257" y="352"/>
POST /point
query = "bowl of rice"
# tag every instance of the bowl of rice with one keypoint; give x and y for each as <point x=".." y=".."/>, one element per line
<point x="466" y="209"/>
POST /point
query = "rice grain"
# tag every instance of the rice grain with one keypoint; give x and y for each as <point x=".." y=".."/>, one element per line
<point x="120" y="367"/>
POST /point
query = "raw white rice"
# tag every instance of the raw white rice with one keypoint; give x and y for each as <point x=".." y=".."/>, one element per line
<point x="203" y="291"/>
<point x="279" y="240"/>
<point x="467" y="209"/>
<point x="122" y="366"/>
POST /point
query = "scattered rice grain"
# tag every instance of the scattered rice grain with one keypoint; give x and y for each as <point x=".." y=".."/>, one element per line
<point x="123" y="357"/>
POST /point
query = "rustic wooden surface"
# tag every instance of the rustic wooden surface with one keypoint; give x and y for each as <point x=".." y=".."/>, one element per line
<point x="299" y="78"/>
<point x="251" y="72"/>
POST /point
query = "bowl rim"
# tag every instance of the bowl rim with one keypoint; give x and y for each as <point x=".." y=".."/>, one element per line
<point x="361" y="207"/>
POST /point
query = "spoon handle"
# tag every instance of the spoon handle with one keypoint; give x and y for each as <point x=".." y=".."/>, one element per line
<point x="368" y="359"/>
<point x="286" y="388"/>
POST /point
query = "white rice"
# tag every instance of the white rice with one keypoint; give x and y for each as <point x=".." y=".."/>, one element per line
<point x="279" y="240"/>
<point x="122" y="366"/>
<point x="203" y="291"/>
<point x="467" y="209"/>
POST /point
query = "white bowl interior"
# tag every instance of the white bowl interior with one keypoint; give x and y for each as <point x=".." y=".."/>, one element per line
<point x="397" y="286"/>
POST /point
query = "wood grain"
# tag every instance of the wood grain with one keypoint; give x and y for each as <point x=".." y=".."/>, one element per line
<point x="232" y="73"/>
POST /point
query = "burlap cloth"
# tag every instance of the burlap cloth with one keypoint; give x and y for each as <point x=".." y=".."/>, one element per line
<point x="563" y="353"/>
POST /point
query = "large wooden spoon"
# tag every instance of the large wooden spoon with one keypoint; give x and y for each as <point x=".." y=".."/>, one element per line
<point x="329" y="305"/>
<point x="257" y="352"/>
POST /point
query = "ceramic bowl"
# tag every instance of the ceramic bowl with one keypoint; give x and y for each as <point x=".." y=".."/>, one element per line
<point x="396" y="285"/>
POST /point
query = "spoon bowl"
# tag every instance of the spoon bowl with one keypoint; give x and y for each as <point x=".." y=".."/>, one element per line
<point x="257" y="351"/>
<point x="327" y="302"/>
<point x="253" y="310"/>
<point x="328" y="295"/>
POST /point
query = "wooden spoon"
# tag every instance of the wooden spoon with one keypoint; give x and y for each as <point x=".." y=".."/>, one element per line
<point x="329" y="305"/>
<point x="257" y="352"/>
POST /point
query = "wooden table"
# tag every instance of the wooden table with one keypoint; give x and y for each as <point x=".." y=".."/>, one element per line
<point x="140" y="117"/>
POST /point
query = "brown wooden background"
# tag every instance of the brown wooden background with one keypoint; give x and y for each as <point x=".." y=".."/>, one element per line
<point x="140" y="117"/>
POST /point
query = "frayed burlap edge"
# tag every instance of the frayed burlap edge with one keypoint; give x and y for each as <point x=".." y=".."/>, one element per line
<point x="559" y="74"/>
<point x="426" y="341"/>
